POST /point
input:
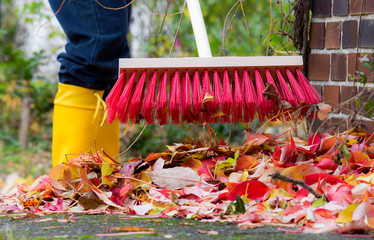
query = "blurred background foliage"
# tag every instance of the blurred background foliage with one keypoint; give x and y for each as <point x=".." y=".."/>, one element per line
<point x="248" y="27"/>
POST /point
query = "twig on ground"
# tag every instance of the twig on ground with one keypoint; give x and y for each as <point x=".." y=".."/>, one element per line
<point x="279" y="176"/>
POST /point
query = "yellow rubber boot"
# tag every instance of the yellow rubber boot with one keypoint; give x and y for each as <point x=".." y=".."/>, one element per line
<point x="77" y="116"/>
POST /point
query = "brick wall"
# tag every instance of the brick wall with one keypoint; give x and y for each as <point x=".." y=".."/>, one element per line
<point x="341" y="31"/>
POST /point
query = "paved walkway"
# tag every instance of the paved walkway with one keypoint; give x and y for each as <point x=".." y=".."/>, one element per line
<point x="80" y="226"/>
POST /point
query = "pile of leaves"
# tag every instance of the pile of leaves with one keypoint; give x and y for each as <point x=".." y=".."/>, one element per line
<point x="321" y="184"/>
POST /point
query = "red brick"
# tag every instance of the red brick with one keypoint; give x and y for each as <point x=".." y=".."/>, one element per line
<point x="338" y="124"/>
<point x="318" y="88"/>
<point x="317" y="35"/>
<point x="365" y="97"/>
<point x="369" y="125"/>
<point x="333" y="35"/>
<point x="322" y="8"/>
<point x="369" y="6"/>
<point x="361" y="6"/>
<point x="319" y="67"/>
<point x="338" y="67"/>
<point x="354" y="64"/>
<point x="367" y="33"/>
<point x="341" y="7"/>
<point x="331" y="95"/>
<point x="349" y="38"/>
<point x="346" y="93"/>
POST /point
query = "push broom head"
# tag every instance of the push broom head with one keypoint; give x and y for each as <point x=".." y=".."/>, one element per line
<point x="212" y="90"/>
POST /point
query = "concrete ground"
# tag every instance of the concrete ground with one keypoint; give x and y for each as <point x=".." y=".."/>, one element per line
<point x="92" y="226"/>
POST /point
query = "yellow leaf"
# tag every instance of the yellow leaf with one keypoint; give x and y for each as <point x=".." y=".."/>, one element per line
<point x="369" y="178"/>
<point x="279" y="192"/>
<point x="106" y="169"/>
<point x="217" y="113"/>
<point x="244" y="176"/>
<point x="346" y="215"/>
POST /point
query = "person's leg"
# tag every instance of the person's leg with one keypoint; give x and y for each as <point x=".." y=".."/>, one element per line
<point x="96" y="38"/>
<point x="76" y="129"/>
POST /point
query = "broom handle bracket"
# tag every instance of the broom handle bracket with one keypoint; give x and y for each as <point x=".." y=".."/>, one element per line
<point x="199" y="30"/>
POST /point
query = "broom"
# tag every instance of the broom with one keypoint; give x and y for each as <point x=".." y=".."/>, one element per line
<point x="209" y="89"/>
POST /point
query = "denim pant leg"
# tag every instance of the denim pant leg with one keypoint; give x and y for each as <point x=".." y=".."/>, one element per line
<point x="96" y="38"/>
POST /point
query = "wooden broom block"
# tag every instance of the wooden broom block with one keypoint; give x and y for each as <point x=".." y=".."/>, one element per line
<point x="211" y="63"/>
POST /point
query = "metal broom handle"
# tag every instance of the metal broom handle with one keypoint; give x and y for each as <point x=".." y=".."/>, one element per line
<point x="199" y="30"/>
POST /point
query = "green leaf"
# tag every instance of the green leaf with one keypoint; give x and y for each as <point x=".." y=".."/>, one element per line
<point x="346" y="152"/>
<point x="358" y="103"/>
<point x="319" y="203"/>
<point x="230" y="162"/>
<point x="239" y="205"/>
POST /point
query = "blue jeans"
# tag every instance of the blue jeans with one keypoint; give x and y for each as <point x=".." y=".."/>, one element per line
<point x="96" y="39"/>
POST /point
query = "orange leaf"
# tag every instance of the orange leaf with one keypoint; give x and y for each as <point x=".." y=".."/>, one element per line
<point x="246" y="162"/>
<point x="256" y="139"/>
<point x="325" y="213"/>
<point x="192" y="163"/>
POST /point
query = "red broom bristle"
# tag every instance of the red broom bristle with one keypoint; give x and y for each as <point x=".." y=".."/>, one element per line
<point x="149" y="100"/>
<point x="238" y="99"/>
<point x="136" y="100"/>
<point x="273" y="102"/>
<point x="285" y="90"/>
<point x="210" y="104"/>
<point x="197" y="98"/>
<point x="313" y="97"/>
<point x="125" y="98"/>
<point x="186" y="98"/>
<point x="162" y="99"/>
<point x="270" y="80"/>
<point x="113" y="97"/>
<point x="227" y="100"/>
<point x="250" y="97"/>
<point x="263" y="106"/>
<point x="175" y="98"/>
<point x="297" y="90"/>
<point x="217" y="88"/>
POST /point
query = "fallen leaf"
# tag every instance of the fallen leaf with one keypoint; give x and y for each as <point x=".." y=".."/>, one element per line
<point x="252" y="189"/>
<point x="175" y="178"/>
<point x="210" y="232"/>
<point x="128" y="229"/>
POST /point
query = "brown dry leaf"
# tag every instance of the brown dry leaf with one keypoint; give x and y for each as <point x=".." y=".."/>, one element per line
<point x="270" y="92"/>
<point x="208" y="98"/>
<point x="129" y="229"/>
<point x="210" y="232"/>
<point x="186" y="224"/>
<point x="90" y="200"/>
<point x="28" y="215"/>
<point x="58" y="177"/>
<point x="153" y="220"/>
<point x="217" y="113"/>
<point x="65" y="220"/>
<point x="324" y="110"/>
<point x="40" y="220"/>
<point x="283" y="104"/>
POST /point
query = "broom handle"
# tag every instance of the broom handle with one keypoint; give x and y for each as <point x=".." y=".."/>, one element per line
<point x="199" y="30"/>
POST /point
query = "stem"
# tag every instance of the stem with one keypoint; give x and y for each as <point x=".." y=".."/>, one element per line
<point x="179" y="26"/>
<point x="279" y="176"/>
<point x="136" y="139"/>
